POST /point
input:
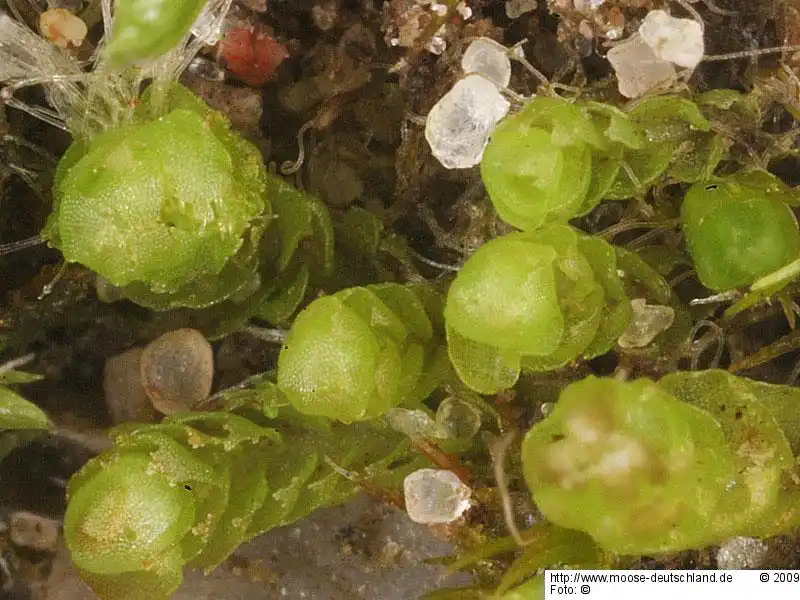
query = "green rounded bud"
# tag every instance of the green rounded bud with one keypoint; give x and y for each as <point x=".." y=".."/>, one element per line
<point x="534" y="300"/>
<point x="329" y="361"/>
<point x="126" y="516"/>
<point x="629" y="464"/>
<point x="170" y="209"/>
<point x="510" y="283"/>
<point x="354" y="355"/>
<point x="737" y="231"/>
<point x="687" y="462"/>
<point x="554" y="160"/>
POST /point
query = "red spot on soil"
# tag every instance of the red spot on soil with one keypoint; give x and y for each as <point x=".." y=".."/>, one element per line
<point x="252" y="56"/>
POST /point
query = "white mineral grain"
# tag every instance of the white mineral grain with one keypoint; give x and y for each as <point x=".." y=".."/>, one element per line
<point x="464" y="11"/>
<point x="679" y="41"/>
<point x="435" y="496"/>
<point x="742" y="553"/>
<point x="585" y="6"/>
<point x="487" y="57"/>
<point x="647" y="321"/>
<point x="639" y="71"/>
<point x="460" y="123"/>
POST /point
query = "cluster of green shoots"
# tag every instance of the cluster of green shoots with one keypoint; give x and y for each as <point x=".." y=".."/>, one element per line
<point x="159" y="197"/>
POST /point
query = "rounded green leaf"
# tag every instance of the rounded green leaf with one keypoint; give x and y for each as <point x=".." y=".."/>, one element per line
<point x="538" y="300"/>
<point x="18" y="413"/>
<point x="629" y="464"/>
<point x="483" y="368"/>
<point x="538" y="165"/>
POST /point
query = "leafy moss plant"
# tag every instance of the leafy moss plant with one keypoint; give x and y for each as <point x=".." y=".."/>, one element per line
<point x="176" y="210"/>
<point x="687" y="462"/>
<point x="173" y="207"/>
<point x="554" y="160"/>
<point x="170" y="206"/>
<point x="188" y="491"/>
<point x="536" y="301"/>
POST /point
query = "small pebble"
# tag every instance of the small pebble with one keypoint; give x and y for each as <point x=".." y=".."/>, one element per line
<point x="32" y="531"/>
<point x="435" y="496"/>
<point x="62" y="28"/>
<point x="177" y="370"/>
<point x="458" y="419"/>
<point x="124" y="392"/>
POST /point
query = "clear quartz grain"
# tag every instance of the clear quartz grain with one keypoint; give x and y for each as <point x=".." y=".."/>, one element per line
<point x="487" y="57"/>
<point x="639" y="71"/>
<point x="459" y="420"/>
<point x="435" y="496"/>
<point x="460" y="123"/>
<point x="647" y="321"/>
